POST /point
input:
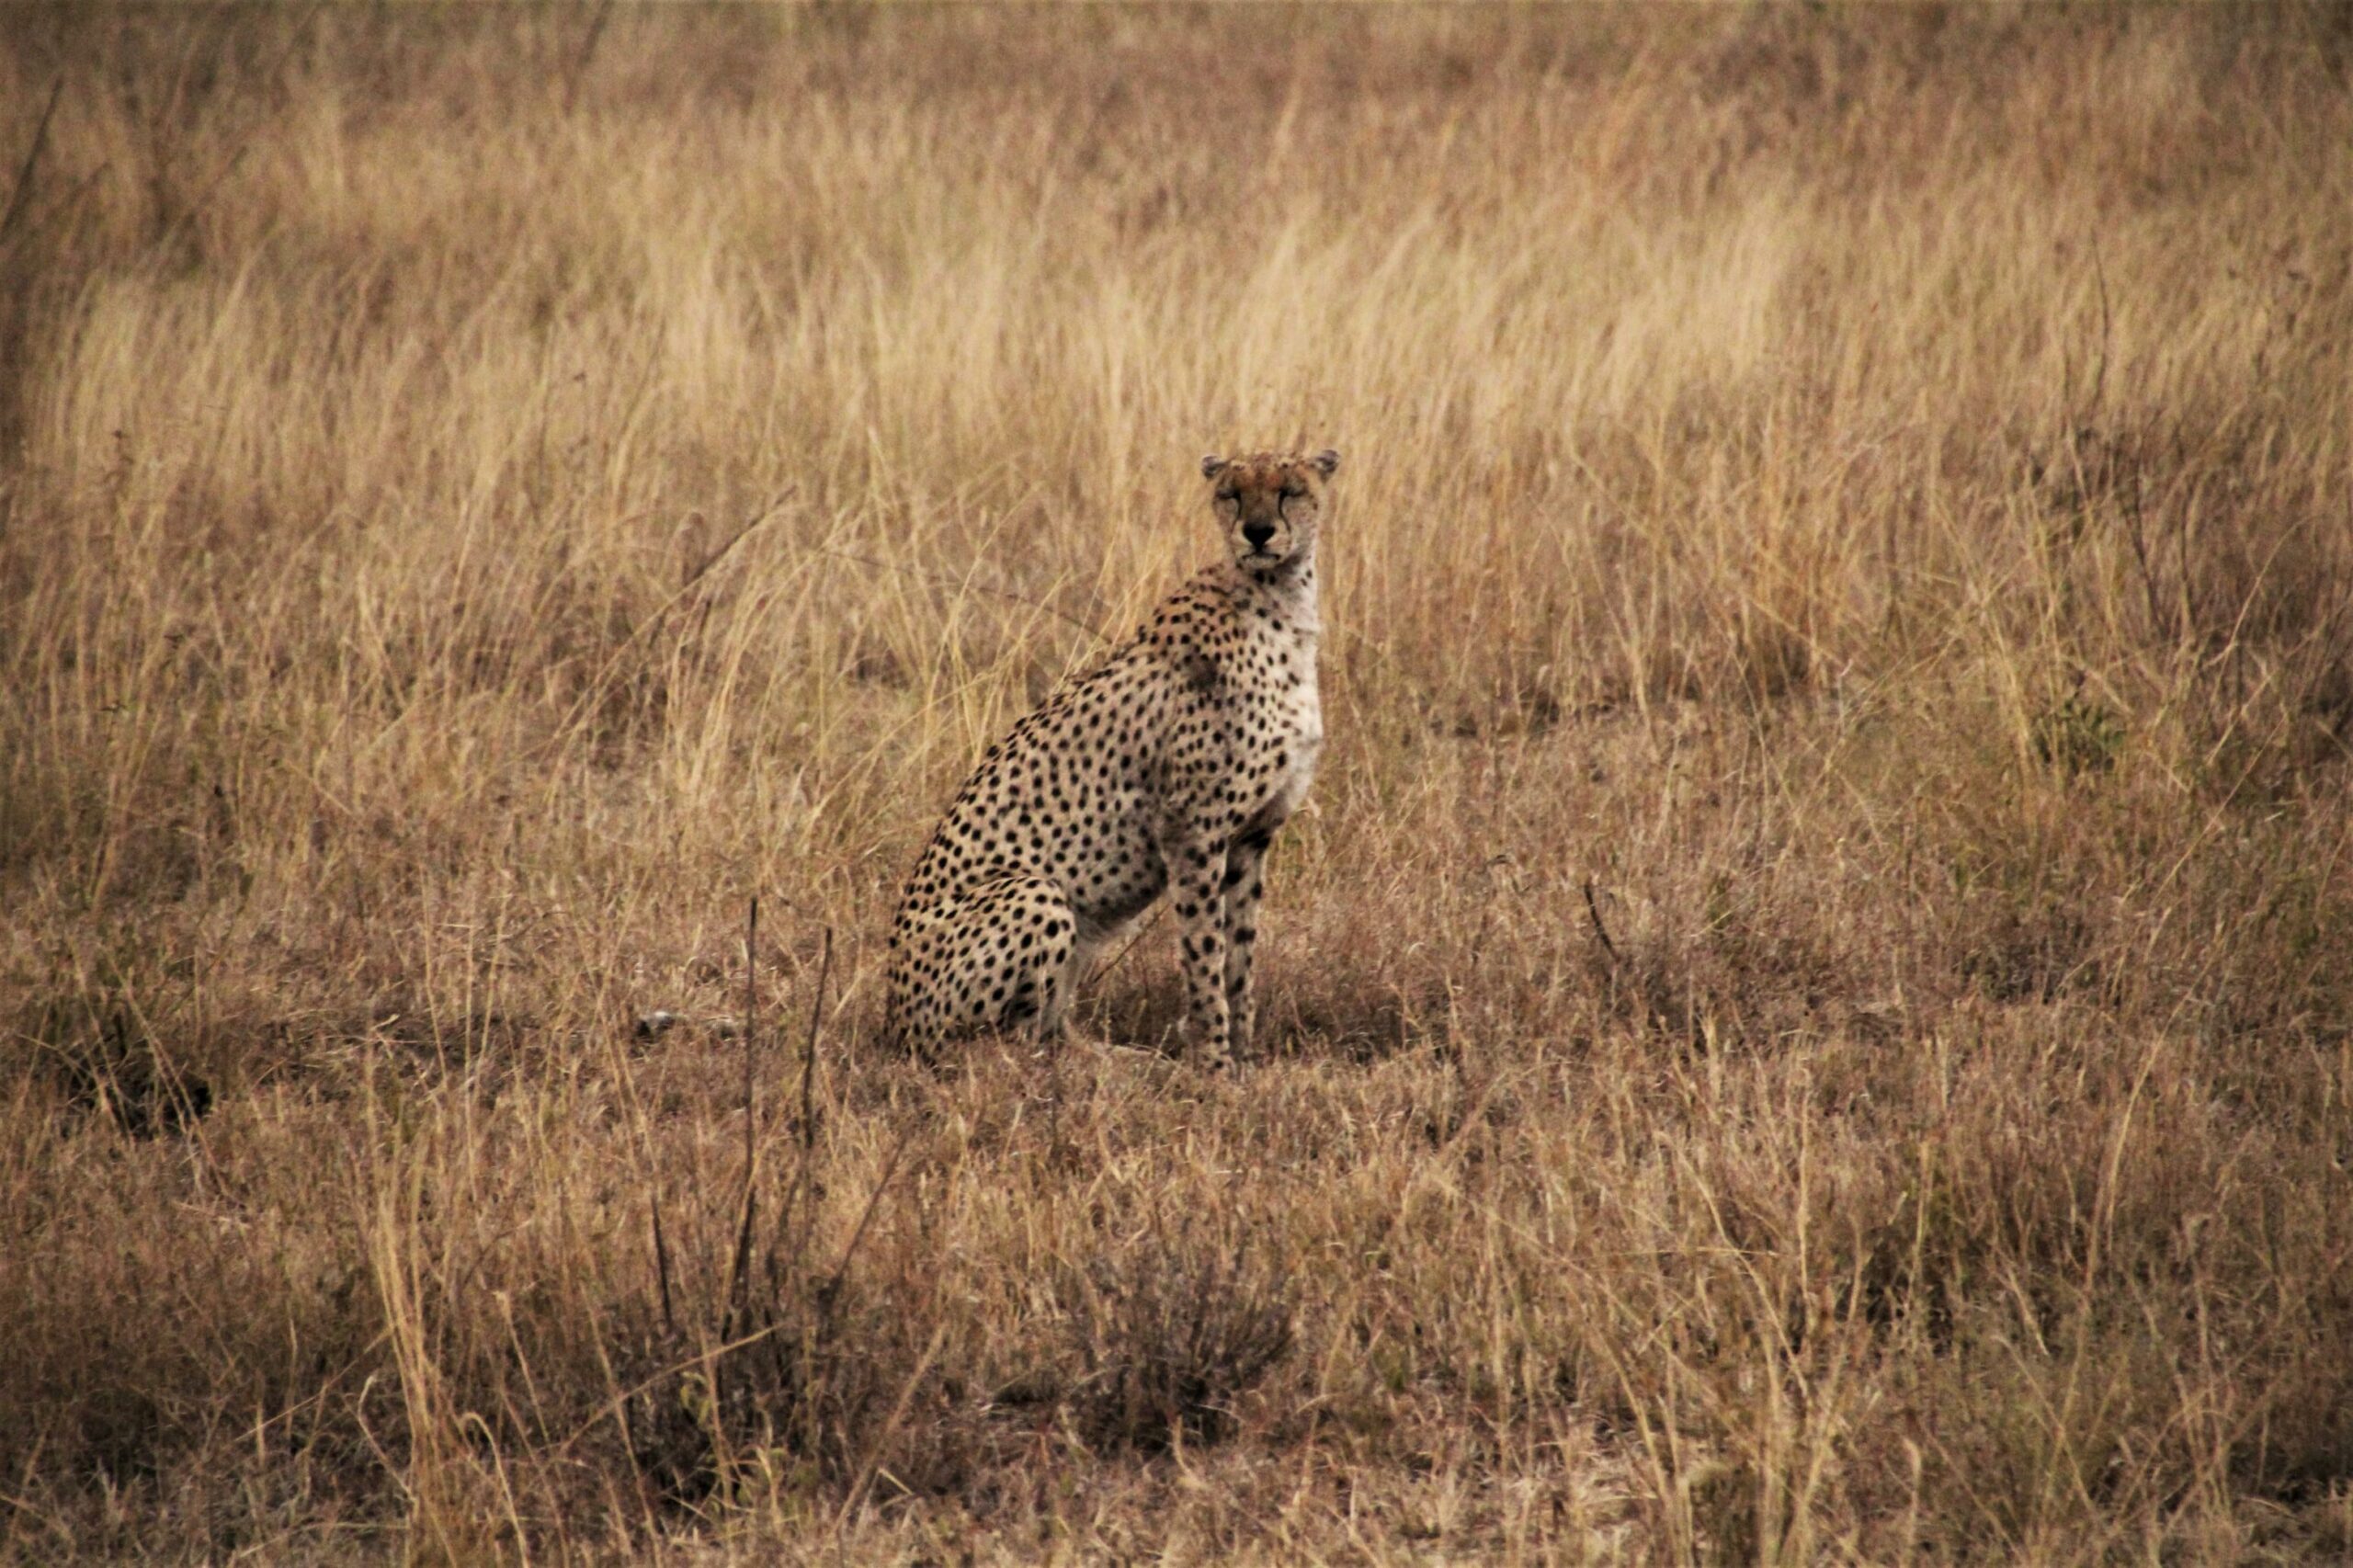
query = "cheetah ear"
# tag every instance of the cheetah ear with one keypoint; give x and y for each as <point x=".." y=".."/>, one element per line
<point x="1212" y="465"/>
<point x="1327" y="463"/>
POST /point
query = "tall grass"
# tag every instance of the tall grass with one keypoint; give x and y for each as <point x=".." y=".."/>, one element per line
<point x="1811" y="1013"/>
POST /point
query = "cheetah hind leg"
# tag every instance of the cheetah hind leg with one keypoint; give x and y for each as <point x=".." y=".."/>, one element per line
<point x="1003" y="955"/>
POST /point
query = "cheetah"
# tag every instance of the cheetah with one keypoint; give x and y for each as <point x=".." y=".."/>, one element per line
<point x="1166" y="768"/>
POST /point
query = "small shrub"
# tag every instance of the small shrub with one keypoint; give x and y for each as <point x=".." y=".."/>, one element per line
<point x="2078" y="735"/>
<point x="1170" y="1336"/>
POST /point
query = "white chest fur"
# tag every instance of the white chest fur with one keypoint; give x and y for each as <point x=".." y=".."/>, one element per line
<point x="1297" y="702"/>
<point x="1303" y="727"/>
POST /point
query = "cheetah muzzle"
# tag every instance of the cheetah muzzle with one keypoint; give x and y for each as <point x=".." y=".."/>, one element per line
<point x="1166" y="768"/>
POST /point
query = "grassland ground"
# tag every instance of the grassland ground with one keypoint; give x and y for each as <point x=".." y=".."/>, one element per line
<point x="1811" y="1017"/>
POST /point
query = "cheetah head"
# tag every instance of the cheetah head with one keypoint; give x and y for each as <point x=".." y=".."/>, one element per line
<point x="1268" y="504"/>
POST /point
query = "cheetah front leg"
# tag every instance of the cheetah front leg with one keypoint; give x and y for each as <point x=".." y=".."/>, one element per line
<point x="1244" y="887"/>
<point x="1197" y="888"/>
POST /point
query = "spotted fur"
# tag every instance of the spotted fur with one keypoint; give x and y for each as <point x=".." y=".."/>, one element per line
<point x="1165" y="768"/>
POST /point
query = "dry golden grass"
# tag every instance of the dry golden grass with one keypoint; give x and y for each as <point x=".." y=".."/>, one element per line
<point x="1813" y="1015"/>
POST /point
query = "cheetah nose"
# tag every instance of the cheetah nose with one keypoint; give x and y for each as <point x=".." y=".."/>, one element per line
<point x="1257" y="534"/>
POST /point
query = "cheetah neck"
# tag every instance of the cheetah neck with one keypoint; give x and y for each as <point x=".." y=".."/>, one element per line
<point x="1291" y="592"/>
